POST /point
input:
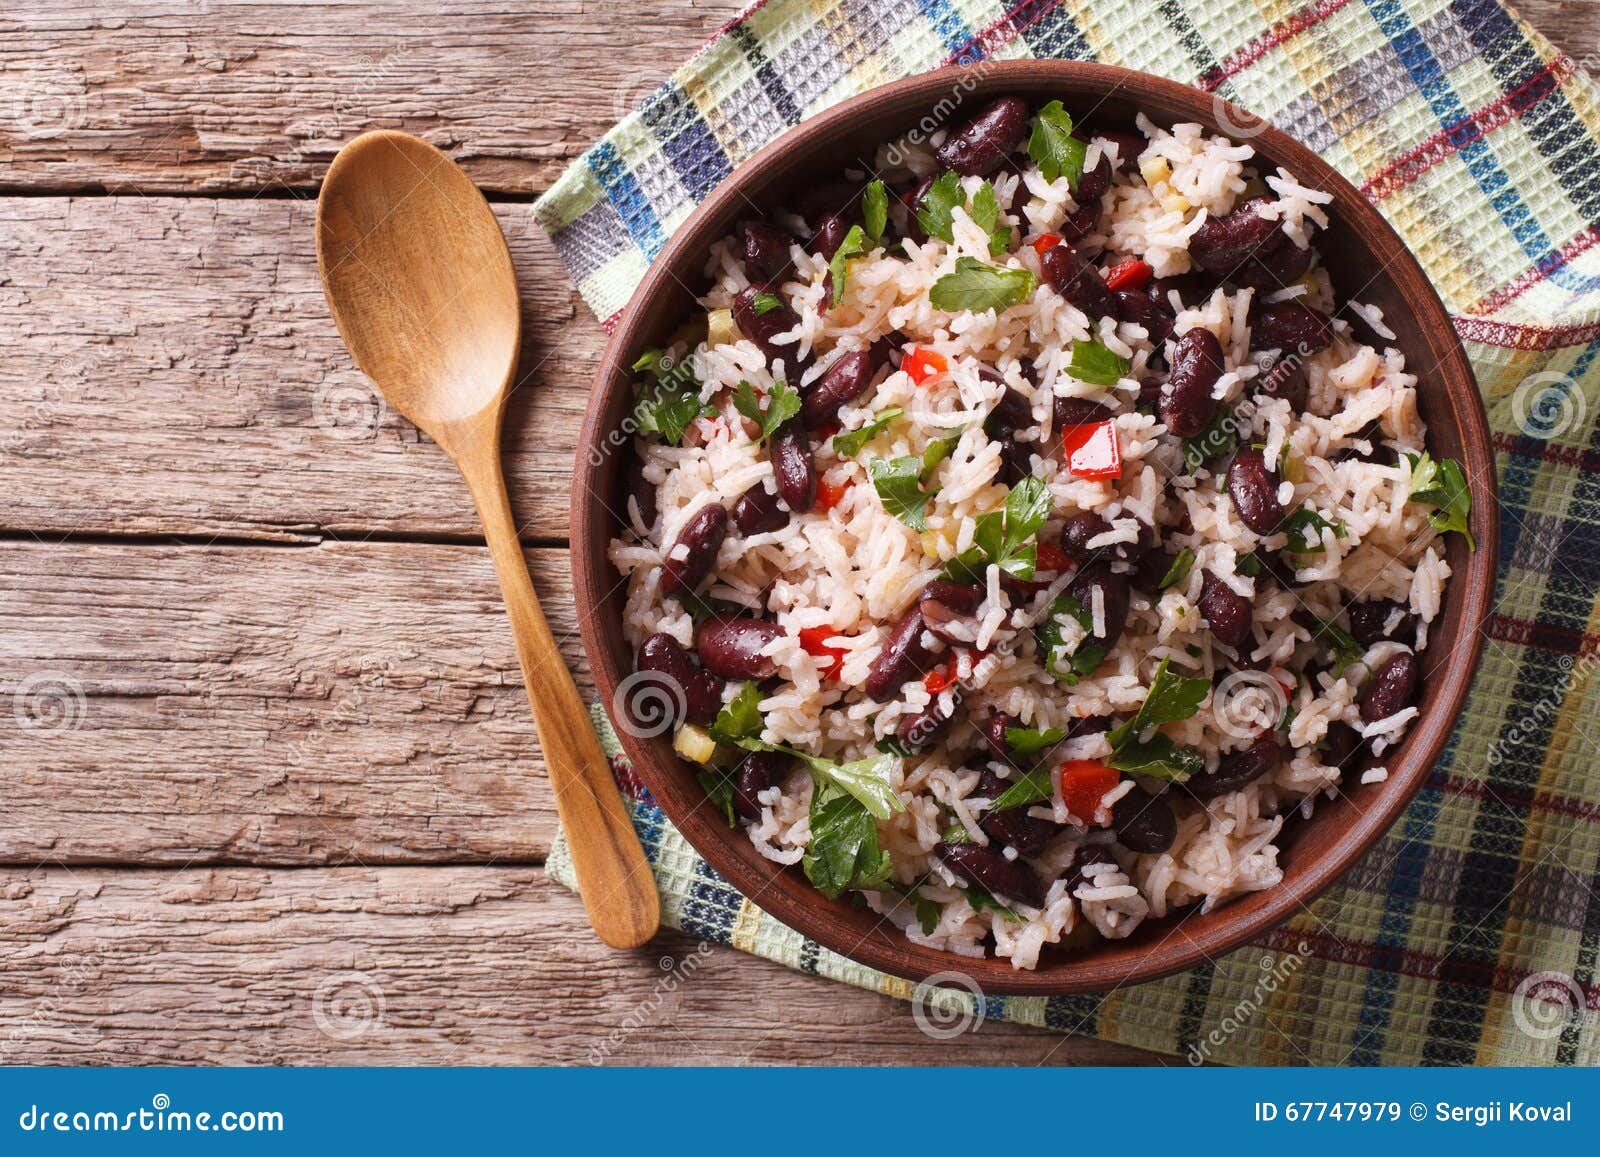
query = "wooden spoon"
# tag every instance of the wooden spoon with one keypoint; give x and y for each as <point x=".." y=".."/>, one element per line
<point x="418" y="277"/>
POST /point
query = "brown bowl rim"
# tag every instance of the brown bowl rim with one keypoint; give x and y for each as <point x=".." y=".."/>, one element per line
<point x="1246" y="917"/>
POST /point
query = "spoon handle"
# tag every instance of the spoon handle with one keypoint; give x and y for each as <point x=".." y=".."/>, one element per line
<point x="613" y="875"/>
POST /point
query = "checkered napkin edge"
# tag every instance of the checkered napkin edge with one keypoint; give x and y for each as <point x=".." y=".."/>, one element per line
<point x="1470" y="933"/>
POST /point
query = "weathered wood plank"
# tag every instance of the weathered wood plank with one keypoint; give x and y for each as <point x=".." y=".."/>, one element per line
<point x="279" y="705"/>
<point x="227" y="96"/>
<point x="416" y="966"/>
<point x="171" y="368"/>
<point x="244" y="96"/>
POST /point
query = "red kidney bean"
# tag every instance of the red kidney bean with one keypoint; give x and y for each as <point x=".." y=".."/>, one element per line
<point x="904" y="656"/>
<point x="762" y="328"/>
<point x="1372" y="434"/>
<point x="639" y="488"/>
<point x="1009" y="415"/>
<point x="1139" y="308"/>
<point x="1144" y="823"/>
<point x="834" y="195"/>
<point x="703" y="535"/>
<point x="994" y="734"/>
<point x="1014" y="826"/>
<point x="990" y="870"/>
<point x="884" y="349"/>
<point x="1254" y="491"/>
<point x="1089" y="855"/>
<point x="1114" y="596"/>
<point x="1093" y="185"/>
<point x="923" y="727"/>
<point x="945" y="604"/>
<point x="829" y="235"/>
<point x="731" y="645"/>
<point x="1223" y="243"/>
<point x="1077" y="412"/>
<point x="1226" y="611"/>
<point x="1287" y="380"/>
<point x="755" y="774"/>
<point x="1077" y="532"/>
<point x="1192" y="289"/>
<point x="702" y="691"/>
<point x="766" y="252"/>
<point x="981" y="145"/>
<point x="1081" y="222"/>
<point x="794" y="466"/>
<point x="1342" y="747"/>
<point x="757" y="512"/>
<point x="1186" y="405"/>
<point x="1238" y="769"/>
<point x="1369" y="622"/>
<point x="844" y="381"/>
<point x="1129" y="146"/>
<point x="1288" y="325"/>
<point x="1273" y="270"/>
<point x="1391" y="689"/>
<point x="1077" y="281"/>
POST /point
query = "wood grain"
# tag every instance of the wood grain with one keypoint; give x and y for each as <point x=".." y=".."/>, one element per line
<point x="171" y="368"/>
<point x="231" y="96"/>
<point x="340" y="703"/>
<point x="481" y="965"/>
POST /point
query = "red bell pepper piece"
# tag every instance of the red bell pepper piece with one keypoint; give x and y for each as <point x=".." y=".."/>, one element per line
<point x="1083" y="783"/>
<point x="830" y="494"/>
<point x="815" y="641"/>
<point x="1052" y="559"/>
<point x="922" y="364"/>
<point x="940" y="678"/>
<point x="1046" y="242"/>
<point x="1092" y="450"/>
<point x="1129" y="274"/>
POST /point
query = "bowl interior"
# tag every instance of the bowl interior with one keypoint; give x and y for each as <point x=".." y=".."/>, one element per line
<point x="1366" y="260"/>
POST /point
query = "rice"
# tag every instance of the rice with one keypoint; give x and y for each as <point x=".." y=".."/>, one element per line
<point x="1006" y="647"/>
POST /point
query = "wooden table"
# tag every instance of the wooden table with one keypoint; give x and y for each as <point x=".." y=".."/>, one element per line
<point x="257" y="806"/>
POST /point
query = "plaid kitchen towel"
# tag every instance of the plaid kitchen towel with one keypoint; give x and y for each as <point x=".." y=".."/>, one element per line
<point x="1470" y="933"/>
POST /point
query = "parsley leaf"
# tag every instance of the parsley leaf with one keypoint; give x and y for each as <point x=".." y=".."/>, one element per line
<point x="938" y="205"/>
<point x="1053" y="147"/>
<point x="978" y="287"/>
<point x="1248" y="565"/>
<point x="1171" y="698"/>
<point x="1048" y="635"/>
<point x="853" y="245"/>
<point x="875" y="210"/>
<point x="1026" y="741"/>
<point x="956" y="833"/>
<point x="1179" y="570"/>
<point x="782" y="404"/>
<point x="981" y="899"/>
<point x="740" y="717"/>
<point x="1217" y="439"/>
<point x="1340" y="642"/>
<point x="986" y="215"/>
<point x="718" y="785"/>
<point x="889" y="745"/>
<point x="936" y="452"/>
<point x="898" y="482"/>
<point x="928" y="913"/>
<point x="849" y="444"/>
<point x="1160" y="758"/>
<point x="1304" y="528"/>
<point x="1095" y="364"/>
<point x="844" y="854"/>
<point x="766" y="303"/>
<point x="672" y="402"/>
<point x="999" y="536"/>
<point x="867" y="780"/>
<point x="1443" y="486"/>
<point x="1031" y="787"/>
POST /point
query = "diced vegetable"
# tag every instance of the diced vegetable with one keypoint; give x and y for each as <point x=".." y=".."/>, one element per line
<point x="1046" y="242"/>
<point x="830" y="494"/>
<point x="694" y="743"/>
<point x="922" y="364"/>
<point x="1083" y="783"/>
<point x="1092" y="451"/>
<point x="815" y="641"/>
<point x="1129" y="274"/>
<point x="720" y="328"/>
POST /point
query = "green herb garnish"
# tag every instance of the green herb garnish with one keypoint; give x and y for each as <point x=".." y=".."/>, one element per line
<point x="1171" y="698"/>
<point x="1304" y="528"/>
<point x="1217" y="439"/>
<point x="1178" y="571"/>
<point x="1443" y="486"/>
<point x="1050" y="640"/>
<point x="671" y="403"/>
<point x="853" y="245"/>
<point x="766" y="302"/>
<point x="782" y="404"/>
<point x="849" y="444"/>
<point x="1095" y="364"/>
<point x="986" y="215"/>
<point x="718" y="786"/>
<point x="875" y="210"/>
<point x="935" y="214"/>
<point x="1001" y="537"/>
<point x="1053" y="147"/>
<point x="981" y="899"/>
<point x="740" y="717"/>
<point x="979" y="287"/>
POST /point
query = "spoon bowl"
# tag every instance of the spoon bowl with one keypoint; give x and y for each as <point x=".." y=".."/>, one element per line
<point x="420" y="283"/>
